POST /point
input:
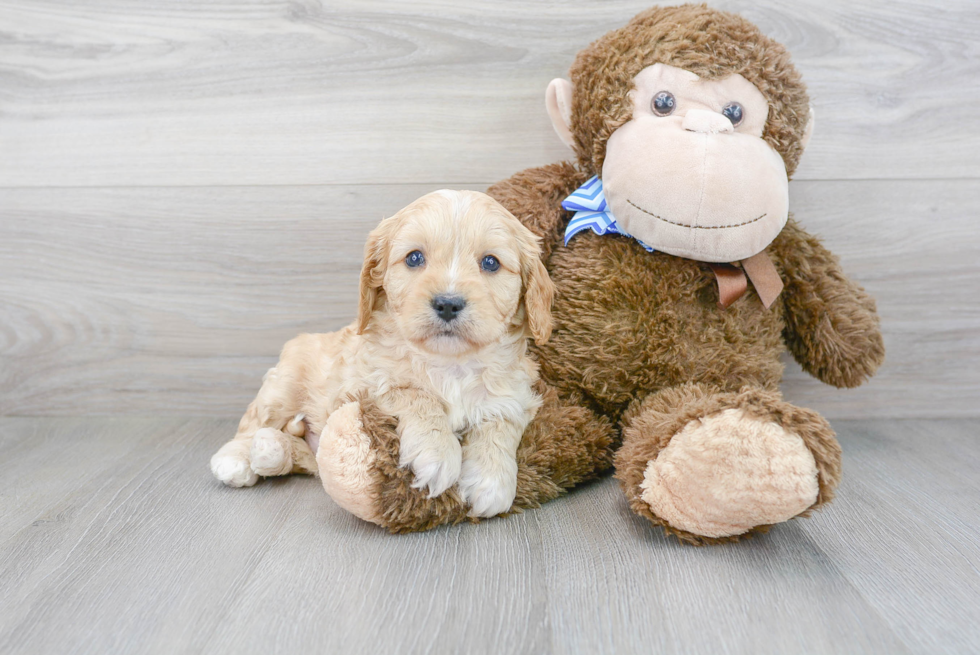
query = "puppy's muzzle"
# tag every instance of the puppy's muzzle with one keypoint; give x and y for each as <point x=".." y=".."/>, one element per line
<point x="448" y="307"/>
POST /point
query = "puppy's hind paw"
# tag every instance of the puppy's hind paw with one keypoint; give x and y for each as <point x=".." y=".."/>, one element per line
<point x="270" y="454"/>
<point x="231" y="465"/>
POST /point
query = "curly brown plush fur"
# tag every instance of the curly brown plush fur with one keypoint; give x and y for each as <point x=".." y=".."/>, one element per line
<point x="639" y="341"/>
<point x="831" y="322"/>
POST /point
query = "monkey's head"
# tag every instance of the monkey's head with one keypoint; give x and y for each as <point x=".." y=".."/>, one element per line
<point x="694" y="120"/>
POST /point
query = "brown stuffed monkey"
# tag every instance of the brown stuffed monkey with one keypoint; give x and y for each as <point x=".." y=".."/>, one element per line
<point x="681" y="278"/>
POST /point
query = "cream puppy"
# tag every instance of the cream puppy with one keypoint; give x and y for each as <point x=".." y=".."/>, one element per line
<point x="451" y="287"/>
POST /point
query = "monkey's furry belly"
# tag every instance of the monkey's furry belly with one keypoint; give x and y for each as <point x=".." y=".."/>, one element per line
<point x="654" y="320"/>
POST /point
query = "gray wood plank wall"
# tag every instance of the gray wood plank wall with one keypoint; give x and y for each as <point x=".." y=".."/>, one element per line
<point x="184" y="186"/>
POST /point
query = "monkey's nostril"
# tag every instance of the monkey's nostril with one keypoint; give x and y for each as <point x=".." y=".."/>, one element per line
<point x="448" y="307"/>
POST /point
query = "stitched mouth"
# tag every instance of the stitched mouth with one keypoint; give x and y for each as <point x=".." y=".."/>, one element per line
<point x="696" y="227"/>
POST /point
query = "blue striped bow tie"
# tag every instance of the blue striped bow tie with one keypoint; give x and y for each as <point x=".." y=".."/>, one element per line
<point x="591" y="212"/>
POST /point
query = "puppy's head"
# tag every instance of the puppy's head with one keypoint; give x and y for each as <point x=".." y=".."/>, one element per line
<point x="456" y="271"/>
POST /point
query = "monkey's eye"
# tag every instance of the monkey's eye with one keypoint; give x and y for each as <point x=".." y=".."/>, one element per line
<point x="415" y="259"/>
<point x="663" y="104"/>
<point x="490" y="264"/>
<point x="733" y="112"/>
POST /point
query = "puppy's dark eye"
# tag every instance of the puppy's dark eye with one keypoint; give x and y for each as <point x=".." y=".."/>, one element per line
<point x="415" y="259"/>
<point x="490" y="264"/>
<point x="733" y="112"/>
<point x="663" y="103"/>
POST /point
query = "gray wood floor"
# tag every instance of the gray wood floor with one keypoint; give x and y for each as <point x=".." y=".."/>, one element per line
<point x="115" y="539"/>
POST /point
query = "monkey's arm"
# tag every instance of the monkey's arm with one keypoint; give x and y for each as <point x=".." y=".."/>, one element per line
<point x="359" y="462"/>
<point x="832" y="327"/>
<point x="534" y="196"/>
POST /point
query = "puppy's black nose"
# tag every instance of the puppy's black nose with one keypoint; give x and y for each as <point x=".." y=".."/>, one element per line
<point x="448" y="307"/>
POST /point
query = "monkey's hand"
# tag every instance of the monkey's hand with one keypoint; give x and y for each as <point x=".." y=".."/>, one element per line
<point x="832" y="327"/>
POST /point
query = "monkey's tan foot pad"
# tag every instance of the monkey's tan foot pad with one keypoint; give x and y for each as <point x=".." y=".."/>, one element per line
<point x="729" y="472"/>
<point x="347" y="464"/>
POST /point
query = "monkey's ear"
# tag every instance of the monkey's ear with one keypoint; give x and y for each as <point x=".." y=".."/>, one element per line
<point x="808" y="132"/>
<point x="558" y="100"/>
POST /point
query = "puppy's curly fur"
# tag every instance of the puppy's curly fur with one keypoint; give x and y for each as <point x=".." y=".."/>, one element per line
<point x="449" y="376"/>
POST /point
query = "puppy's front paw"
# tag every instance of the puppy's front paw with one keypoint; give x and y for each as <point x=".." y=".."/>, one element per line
<point x="232" y="466"/>
<point x="488" y="486"/>
<point x="435" y="457"/>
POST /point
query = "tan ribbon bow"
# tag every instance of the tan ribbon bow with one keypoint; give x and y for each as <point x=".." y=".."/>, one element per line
<point x="732" y="283"/>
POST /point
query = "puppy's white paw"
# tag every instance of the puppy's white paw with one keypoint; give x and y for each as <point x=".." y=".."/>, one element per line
<point x="231" y="465"/>
<point x="270" y="454"/>
<point x="434" y="456"/>
<point x="488" y="486"/>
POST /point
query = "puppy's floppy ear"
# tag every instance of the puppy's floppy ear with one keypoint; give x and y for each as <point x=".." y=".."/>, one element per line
<point x="538" y="294"/>
<point x="539" y="291"/>
<point x="373" y="270"/>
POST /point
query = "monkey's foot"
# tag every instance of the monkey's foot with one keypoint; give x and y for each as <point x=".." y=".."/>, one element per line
<point x="347" y="464"/>
<point x="742" y="463"/>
